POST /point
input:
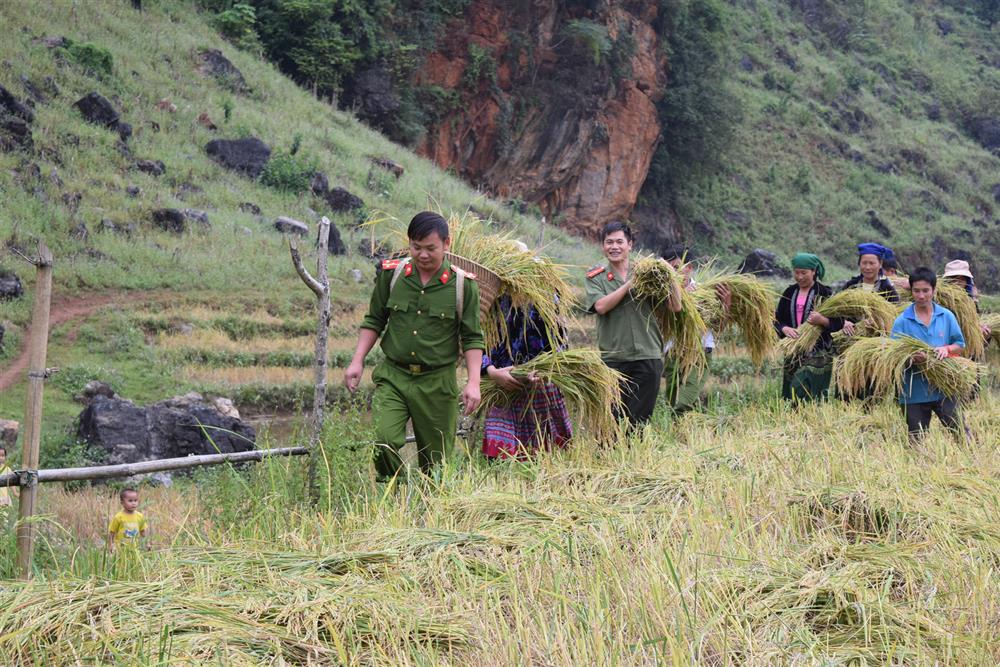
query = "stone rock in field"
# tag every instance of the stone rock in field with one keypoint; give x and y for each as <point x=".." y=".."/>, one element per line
<point x="320" y="184"/>
<point x="170" y="220"/>
<point x="226" y="407"/>
<point x="15" y="134"/>
<point x="79" y="232"/>
<point x="133" y="191"/>
<point x="391" y="166"/>
<point x="291" y="226"/>
<point x="335" y="244"/>
<point x="96" y="109"/>
<point x="216" y="65"/>
<point x="14" y="107"/>
<point x="198" y="216"/>
<point x="176" y="427"/>
<point x="151" y="167"/>
<point x="247" y="156"/>
<point x="763" y="263"/>
<point x="341" y="201"/>
<point x="93" y="389"/>
<point x="10" y="286"/>
<point x="108" y="226"/>
<point x="124" y="133"/>
<point x="250" y="207"/>
<point x="987" y="132"/>
<point x="8" y="432"/>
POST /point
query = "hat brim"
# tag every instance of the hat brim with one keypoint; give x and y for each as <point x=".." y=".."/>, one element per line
<point x="964" y="274"/>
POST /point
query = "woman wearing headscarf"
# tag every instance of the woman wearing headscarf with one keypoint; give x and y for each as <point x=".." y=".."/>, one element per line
<point x="871" y="277"/>
<point x="806" y="377"/>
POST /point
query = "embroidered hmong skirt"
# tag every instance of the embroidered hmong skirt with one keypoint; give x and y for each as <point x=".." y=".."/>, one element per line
<point x="532" y="420"/>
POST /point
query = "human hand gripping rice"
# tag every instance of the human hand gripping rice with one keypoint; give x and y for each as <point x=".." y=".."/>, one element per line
<point x="875" y="311"/>
<point x="749" y="308"/>
<point x="957" y="300"/>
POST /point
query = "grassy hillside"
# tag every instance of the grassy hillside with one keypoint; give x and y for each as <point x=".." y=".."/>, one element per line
<point x="233" y="278"/>
<point x="829" y="110"/>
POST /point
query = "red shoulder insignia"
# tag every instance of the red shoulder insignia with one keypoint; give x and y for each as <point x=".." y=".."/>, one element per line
<point x="409" y="268"/>
<point x="444" y="278"/>
<point x="596" y="271"/>
<point x="390" y="264"/>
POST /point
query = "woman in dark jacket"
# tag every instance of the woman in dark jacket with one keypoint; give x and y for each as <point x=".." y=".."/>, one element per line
<point x="871" y="276"/>
<point x="806" y="377"/>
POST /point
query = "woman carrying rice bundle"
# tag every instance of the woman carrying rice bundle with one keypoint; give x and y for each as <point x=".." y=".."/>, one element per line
<point x="958" y="272"/>
<point x="806" y="377"/>
<point x="937" y="326"/>
<point x="536" y="417"/>
<point x="871" y="277"/>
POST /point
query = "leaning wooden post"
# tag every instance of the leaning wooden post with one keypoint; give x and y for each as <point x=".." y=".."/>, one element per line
<point x="321" y="288"/>
<point x="38" y="347"/>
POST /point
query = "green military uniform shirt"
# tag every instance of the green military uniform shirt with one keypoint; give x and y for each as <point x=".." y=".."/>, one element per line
<point x="628" y="332"/>
<point x="417" y="322"/>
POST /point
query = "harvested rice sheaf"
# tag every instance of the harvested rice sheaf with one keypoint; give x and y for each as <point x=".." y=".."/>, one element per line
<point x="855" y="305"/>
<point x="957" y="300"/>
<point x="654" y="280"/>
<point x="878" y="366"/>
<point x="591" y="390"/>
<point x="751" y="310"/>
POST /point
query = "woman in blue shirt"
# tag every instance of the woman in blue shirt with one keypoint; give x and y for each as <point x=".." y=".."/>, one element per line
<point x="937" y="326"/>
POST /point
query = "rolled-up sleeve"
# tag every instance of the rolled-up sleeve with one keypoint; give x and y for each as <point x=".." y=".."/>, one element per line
<point x="471" y="332"/>
<point x="378" y="313"/>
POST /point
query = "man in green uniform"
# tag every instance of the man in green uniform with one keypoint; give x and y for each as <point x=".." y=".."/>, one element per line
<point x="422" y="319"/>
<point x="627" y="334"/>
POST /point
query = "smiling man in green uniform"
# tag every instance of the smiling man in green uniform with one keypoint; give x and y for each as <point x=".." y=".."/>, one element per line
<point x="627" y="334"/>
<point x="417" y="310"/>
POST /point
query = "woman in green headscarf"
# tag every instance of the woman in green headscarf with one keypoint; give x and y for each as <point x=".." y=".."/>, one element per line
<point x="806" y="377"/>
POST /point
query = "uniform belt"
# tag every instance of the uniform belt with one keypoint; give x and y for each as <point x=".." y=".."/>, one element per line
<point x="416" y="369"/>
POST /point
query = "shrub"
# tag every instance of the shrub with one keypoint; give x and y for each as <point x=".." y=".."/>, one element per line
<point x="591" y="36"/>
<point x="482" y="65"/>
<point x="237" y="24"/>
<point x="288" y="172"/>
<point x="91" y="57"/>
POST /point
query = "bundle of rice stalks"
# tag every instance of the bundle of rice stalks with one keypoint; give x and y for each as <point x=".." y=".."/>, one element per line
<point x="992" y="320"/>
<point x="653" y="280"/>
<point x="878" y="366"/>
<point x="863" y="329"/>
<point x="751" y="310"/>
<point x="857" y="515"/>
<point x="526" y="277"/>
<point x="591" y="390"/>
<point x="853" y="304"/>
<point x="957" y="300"/>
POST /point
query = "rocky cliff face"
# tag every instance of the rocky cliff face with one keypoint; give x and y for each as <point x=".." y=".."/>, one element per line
<point x="550" y="103"/>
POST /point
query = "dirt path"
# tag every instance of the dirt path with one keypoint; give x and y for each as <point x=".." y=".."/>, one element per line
<point x="66" y="308"/>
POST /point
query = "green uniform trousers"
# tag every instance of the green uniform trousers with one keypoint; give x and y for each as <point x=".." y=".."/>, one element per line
<point x="683" y="395"/>
<point x="429" y="399"/>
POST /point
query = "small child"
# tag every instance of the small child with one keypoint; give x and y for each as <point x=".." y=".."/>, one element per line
<point x="128" y="525"/>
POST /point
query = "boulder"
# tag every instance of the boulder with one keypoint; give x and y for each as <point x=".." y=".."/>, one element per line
<point x="216" y="65"/>
<point x="987" y="132"/>
<point x="8" y="434"/>
<point x="124" y="133"/>
<point x="335" y="244"/>
<point x="391" y="166"/>
<point x="320" y="184"/>
<point x="151" y="167"/>
<point x="371" y="93"/>
<point x="180" y="426"/>
<point x="96" y="109"/>
<point x="12" y="106"/>
<point x="246" y="156"/>
<point x="763" y="263"/>
<point x="250" y="207"/>
<point x="15" y="134"/>
<point x="93" y="389"/>
<point x="196" y="215"/>
<point x="10" y="286"/>
<point x="291" y="226"/>
<point x="341" y="201"/>
<point x="133" y="191"/>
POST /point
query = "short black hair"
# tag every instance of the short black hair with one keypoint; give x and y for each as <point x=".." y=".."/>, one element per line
<point x="676" y="251"/>
<point x="616" y="226"/>
<point x="890" y="263"/>
<point x="922" y="273"/>
<point x="127" y="489"/>
<point x="426" y="223"/>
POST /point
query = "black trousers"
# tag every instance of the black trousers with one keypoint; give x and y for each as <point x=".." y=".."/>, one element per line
<point x="918" y="416"/>
<point x="640" y="387"/>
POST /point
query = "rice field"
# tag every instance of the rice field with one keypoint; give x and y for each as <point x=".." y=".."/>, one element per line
<point x="757" y="535"/>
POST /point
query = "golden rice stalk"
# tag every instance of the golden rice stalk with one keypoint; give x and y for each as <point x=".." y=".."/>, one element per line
<point x="853" y="304"/>
<point x="751" y="310"/>
<point x="992" y="320"/>
<point x="957" y="300"/>
<point x="879" y="366"/>
<point x="653" y="280"/>
<point x="591" y="390"/>
<point x="527" y="277"/>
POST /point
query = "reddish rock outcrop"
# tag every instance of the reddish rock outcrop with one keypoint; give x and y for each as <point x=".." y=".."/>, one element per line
<point x="539" y="117"/>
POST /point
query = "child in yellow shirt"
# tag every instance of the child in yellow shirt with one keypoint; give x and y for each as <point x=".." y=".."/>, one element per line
<point x="128" y="525"/>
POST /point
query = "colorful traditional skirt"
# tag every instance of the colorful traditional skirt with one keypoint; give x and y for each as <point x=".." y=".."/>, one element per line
<point x="534" y="419"/>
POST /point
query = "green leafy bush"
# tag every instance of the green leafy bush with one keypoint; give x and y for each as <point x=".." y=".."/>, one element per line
<point x="590" y="35"/>
<point x="91" y="57"/>
<point x="289" y="173"/>
<point x="237" y="24"/>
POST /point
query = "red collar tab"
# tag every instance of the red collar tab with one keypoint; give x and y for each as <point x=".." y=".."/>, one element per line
<point x="611" y="275"/>
<point x="390" y="264"/>
<point x="409" y="269"/>
<point x="444" y="278"/>
<point x="596" y="271"/>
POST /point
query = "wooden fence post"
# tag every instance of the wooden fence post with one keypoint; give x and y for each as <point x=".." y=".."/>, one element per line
<point x="38" y="348"/>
